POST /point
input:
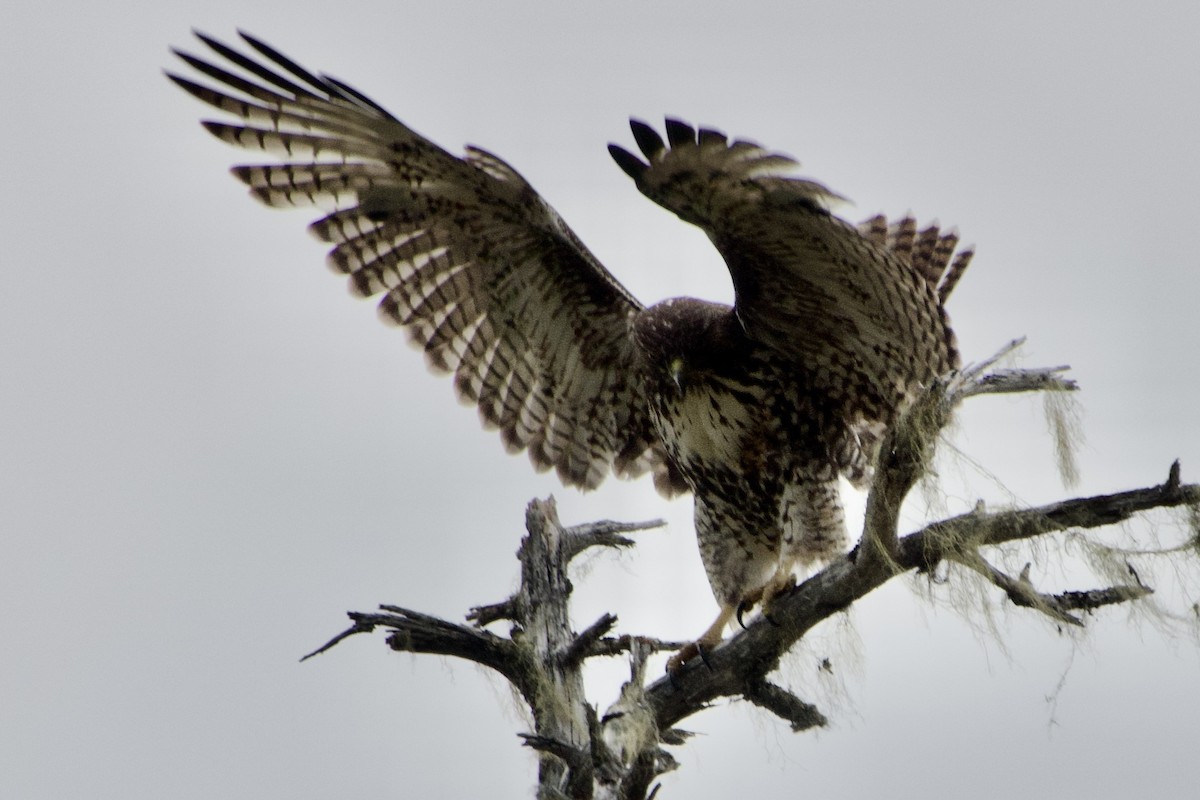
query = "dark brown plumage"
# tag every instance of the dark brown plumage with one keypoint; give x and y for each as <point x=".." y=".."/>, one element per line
<point x="755" y="408"/>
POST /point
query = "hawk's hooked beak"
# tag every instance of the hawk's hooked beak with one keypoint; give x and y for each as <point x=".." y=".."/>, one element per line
<point x="676" y="370"/>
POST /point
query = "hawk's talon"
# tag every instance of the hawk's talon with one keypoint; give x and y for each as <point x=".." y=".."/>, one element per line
<point x="742" y="609"/>
<point x="700" y="651"/>
<point x="772" y="591"/>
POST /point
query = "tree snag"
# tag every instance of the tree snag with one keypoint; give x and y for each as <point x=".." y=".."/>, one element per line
<point x="618" y="753"/>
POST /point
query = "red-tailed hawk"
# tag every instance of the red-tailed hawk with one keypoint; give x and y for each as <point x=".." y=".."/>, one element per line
<point x="755" y="408"/>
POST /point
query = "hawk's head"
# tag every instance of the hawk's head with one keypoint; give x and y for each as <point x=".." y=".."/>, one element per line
<point x="682" y="340"/>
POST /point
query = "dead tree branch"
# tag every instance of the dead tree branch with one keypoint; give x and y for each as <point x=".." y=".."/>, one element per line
<point x="620" y="754"/>
<point x="752" y="654"/>
<point x="786" y="706"/>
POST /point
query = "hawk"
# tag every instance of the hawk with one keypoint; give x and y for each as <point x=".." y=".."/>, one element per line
<point x="755" y="408"/>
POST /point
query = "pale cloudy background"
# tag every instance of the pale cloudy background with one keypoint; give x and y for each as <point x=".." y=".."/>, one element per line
<point x="209" y="452"/>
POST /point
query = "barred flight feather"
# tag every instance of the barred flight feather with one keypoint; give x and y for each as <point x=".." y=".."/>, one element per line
<point x="459" y="250"/>
<point x="854" y="307"/>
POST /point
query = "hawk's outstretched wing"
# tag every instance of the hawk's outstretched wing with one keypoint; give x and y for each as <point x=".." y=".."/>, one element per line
<point x="860" y="310"/>
<point x="482" y="273"/>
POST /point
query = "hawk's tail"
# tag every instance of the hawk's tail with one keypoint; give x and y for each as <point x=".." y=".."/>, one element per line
<point x="929" y="251"/>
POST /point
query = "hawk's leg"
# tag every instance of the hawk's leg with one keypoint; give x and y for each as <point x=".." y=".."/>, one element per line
<point x="783" y="579"/>
<point x="707" y="641"/>
<point x="739" y="545"/>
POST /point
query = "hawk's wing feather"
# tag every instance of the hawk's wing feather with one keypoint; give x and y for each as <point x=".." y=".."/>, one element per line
<point x="931" y="252"/>
<point x="858" y="311"/>
<point x="482" y="273"/>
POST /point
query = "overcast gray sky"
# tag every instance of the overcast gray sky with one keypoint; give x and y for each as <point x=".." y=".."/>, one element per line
<point x="210" y="452"/>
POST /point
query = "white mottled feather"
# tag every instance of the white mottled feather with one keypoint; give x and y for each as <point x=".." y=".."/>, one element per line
<point x="485" y="277"/>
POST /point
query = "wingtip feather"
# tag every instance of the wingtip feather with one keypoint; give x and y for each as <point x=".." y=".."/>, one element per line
<point x="679" y="133"/>
<point x="708" y="136"/>
<point x="627" y="161"/>
<point x="648" y="140"/>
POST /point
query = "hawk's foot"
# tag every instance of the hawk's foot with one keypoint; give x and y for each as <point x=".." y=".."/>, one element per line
<point x="707" y="641"/>
<point x="686" y="654"/>
<point x="747" y="604"/>
<point x="780" y="583"/>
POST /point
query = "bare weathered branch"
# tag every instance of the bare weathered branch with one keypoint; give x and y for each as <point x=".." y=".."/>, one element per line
<point x="976" y="371"/>
<point x="414" y="632"/>
<point x="908" y="448"/>
<point x="981" y="378"/>
<point x="605" y="533"/>
<point x="1012" y="381"/>
<point x="1172" y="484"/>
<point x="620" y="755"/>
<point x="1082" y="512"/>
<point x="577" y="762"/>
<point x="482" y="616"/>
<point x="357" y="627"/>
<point x="586" y="641"/>
<point x="903" y="457"/>
<point x="616" y="645"/>
<point x="785" y="705"/>
<point x="560" y="750"/>
<point x="1020" y="591"/>
<point x="559" y="706"/>
<point x="1096" y="598"/>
